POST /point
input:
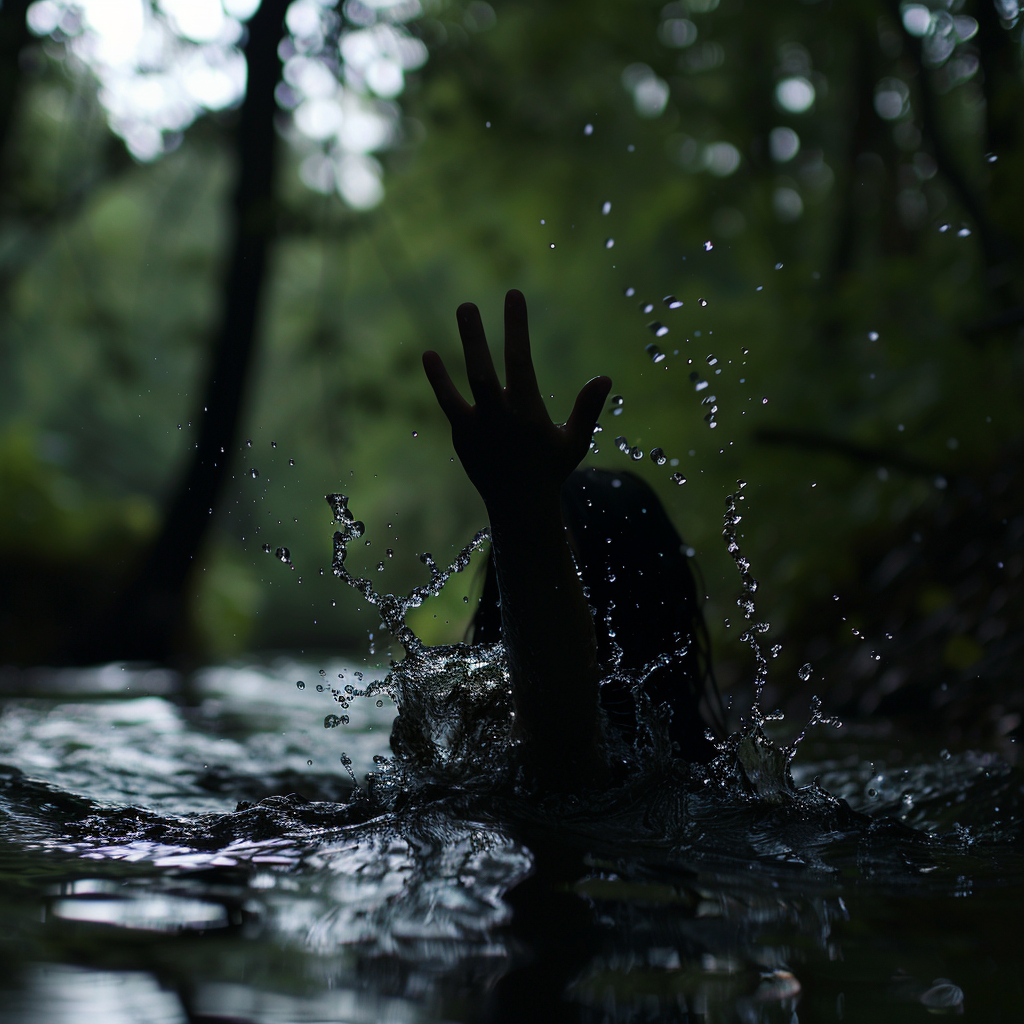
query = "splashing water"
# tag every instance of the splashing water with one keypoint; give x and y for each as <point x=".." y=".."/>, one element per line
<point x="751" y="636"/>
<point x="454" y="727"/>
<point x="393" y="609"/>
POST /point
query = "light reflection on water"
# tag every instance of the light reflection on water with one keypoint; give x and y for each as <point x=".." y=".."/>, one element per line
<point x="450" y="908"/>
<point x="235" y="724"/>
<point x="64" y="994"/>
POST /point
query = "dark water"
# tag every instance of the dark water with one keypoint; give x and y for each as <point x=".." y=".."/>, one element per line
<point x="133" y="890"/>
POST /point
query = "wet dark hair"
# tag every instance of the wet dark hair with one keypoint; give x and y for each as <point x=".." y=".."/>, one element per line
<point x="638" y="577"/>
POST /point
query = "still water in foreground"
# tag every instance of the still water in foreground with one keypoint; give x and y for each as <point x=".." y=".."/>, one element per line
<point x="133" y="890"/>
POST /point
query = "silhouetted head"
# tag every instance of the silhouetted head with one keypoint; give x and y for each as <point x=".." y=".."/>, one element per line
<point x="637" y="577"/>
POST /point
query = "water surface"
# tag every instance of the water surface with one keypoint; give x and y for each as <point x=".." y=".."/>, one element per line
<point x="132" y="889"/>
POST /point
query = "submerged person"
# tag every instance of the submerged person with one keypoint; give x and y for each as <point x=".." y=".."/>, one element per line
<point x="632" y="569"/>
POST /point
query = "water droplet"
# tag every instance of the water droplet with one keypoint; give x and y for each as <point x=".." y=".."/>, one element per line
<point x="609" y="243"/>
<point x="991" y="158"/>
<point x="655" y="353"/>
<point x="319" y="687"/>
<point x="636" y="454"/>
<point x="301" y="685"/>
<point x="712" y="360"/>
<point x="744" y="351"/>
<point x="764" y="401"/>
<point x="283" y="554"/>
<point x="804" y="672"/>
<point x="588" y="129"/>
<point x="943" y="228"/>
<point x="778" y="266"/>
<point x="332" y="721"/>
<point x="708" y="246"/>
<point x="616" y="401"/>
<point x="552" y="245"/>
<point x="963" y="233"/>
<point x="415" y="433"/>
<point x="254" y="473"/>
<point x="658" y="329"/>
<point x="672" y="302"/>
<point x="630" y="292"/>
<point x="389" y="552"/>
<point x="323" y="674"/>
<point x="606" y="207"/>
<point x="702" y="302"/>
<point x="266" y="549"/>
<point x="248" y="444"/>
<point x="310" y="761"/>
<point x="677" y="478"/>
<point x="646" y="307"/>
<point x="658" y="457"/>
<point x="380" y="703"/>
<point x="622" y="444"/>
<point x="291" y="462"/>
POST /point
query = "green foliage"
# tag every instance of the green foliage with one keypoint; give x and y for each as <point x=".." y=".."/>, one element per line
<point x="109" y="317"/>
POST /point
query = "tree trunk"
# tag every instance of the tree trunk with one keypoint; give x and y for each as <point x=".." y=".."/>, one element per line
<point x="147" y="620"/>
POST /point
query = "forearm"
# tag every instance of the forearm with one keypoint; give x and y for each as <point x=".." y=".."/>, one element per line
<point x="549" y="640"/>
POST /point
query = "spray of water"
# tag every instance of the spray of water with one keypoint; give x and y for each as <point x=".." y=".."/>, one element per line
<point x="391" y="607"/>
<point x="455" y="713"/>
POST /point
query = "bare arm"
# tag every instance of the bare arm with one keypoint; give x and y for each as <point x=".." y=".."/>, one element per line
<point x="518" y="460"/>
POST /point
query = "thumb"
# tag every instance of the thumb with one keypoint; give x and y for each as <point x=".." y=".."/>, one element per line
<point x="589" y="402"/>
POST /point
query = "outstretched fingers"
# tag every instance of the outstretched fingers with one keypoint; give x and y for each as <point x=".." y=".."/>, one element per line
<point x="452" y="403"/>
<point x="520" y="378"/>
<point x="483" y="381"/>
<point x="589" y="402"/>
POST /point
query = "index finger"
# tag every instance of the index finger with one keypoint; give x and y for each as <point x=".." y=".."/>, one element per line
<point x="452" y="403"/>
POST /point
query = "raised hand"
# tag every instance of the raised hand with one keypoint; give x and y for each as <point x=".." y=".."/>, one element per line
<point x="507" y="441"/>
<point x="518" y="460"/>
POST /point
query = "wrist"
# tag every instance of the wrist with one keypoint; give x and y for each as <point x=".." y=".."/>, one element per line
<point x="526" y="512"/>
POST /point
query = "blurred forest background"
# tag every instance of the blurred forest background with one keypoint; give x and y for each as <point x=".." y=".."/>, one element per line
<point x="790" y="232"/>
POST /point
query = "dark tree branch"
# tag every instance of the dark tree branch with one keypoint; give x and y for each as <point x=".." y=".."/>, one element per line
<point x="147" y="621"/>
<point x="814" y="442"/>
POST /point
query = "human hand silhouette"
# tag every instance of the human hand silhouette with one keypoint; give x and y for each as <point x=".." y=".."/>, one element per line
<point x="507" y="443"/>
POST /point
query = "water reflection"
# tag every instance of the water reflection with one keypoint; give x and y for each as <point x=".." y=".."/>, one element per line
<point x="102" y="902"/>
<point x="65" y="994"/>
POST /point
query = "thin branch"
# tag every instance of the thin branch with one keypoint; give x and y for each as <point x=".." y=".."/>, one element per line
<point x="811" y="441"/>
